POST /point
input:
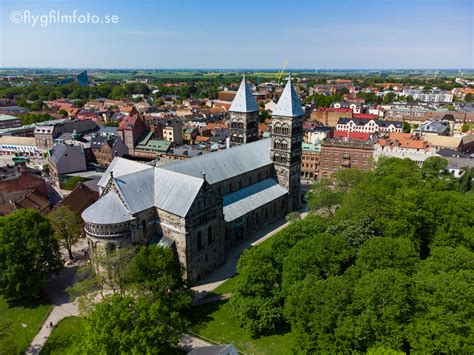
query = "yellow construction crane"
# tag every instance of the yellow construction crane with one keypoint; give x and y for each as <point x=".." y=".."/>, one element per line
<point x="281" y="73"/>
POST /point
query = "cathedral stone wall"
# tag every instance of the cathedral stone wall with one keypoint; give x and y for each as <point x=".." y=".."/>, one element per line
<point x="204" y="237"/>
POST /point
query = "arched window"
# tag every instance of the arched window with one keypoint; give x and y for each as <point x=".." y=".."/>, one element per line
<point x="209" y="235"/>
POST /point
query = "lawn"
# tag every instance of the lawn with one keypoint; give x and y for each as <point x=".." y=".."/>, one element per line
<point x="215" y="322"/>
<point x="14" y="339"/>
<point x="63" y="336"/>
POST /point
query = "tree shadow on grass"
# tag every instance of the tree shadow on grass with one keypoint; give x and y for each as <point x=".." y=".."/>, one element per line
<point x="202" y="313"/>
<point x="58" y="344"/>
<point x="32" y="302"/>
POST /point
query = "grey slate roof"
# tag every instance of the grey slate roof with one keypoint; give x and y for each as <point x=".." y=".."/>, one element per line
<point x="225" y="164"/>
<point x="243" y="100"/>
<point x="289" y="105"/>
<point x="107" y="210"/>
<point x="434" y="127"/>
<point x="152" y="187"/>
<point x="121" y="166"/>
<point x="68" y="158"/>
<point x="137" y="189"/>
<point x="175" y="192"/>
<point x="214" y="350"/>
<point x="239" y="203"/>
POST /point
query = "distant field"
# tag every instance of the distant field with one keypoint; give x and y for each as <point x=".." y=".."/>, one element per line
<point x="176" y="74"/>
<point x="14" y="338"/>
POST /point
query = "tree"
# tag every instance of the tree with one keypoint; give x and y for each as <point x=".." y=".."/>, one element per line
<point x="29" y="254"/>
<point x="323" y="197"/>
<point x="146" y="313"/>
<point x="389" y="98"/>
<point x="36" y="106"/>
<point x="444" y="308"/>
<point x="406" y="127"/>
<point x="465" y="182"/>
<point x="385" y="252"/>
<point x="63" y="112"/>
<point x="131" y="325"/>
<point x="469" y="97"/>
<point x="315" y="310"/>
<point x="67" y="227"/>
<point x="154" y="271"/>
<point x="465" y="127"/>
<point x="72" y="182"/>
<point x="258" y="301"/>
<point x="380" y="309"/>
<point x="434" y="167"/>
<point x="322" y="255"/>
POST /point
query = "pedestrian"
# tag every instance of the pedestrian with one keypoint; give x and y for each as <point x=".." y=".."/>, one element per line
<point x="50" y="324"/>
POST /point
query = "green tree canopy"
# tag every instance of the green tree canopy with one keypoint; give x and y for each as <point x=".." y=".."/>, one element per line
<point x="29" y="254"/>
<point x="129" y="325"/>
<point x="67" y="227"/>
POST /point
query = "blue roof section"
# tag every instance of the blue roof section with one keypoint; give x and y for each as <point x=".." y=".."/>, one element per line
<point x="241" y="202"/>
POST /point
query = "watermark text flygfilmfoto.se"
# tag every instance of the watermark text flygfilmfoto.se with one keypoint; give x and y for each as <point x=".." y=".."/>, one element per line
<point x="57" y="17"/>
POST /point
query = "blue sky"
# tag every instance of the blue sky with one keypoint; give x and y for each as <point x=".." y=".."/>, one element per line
<point x="329" y="34"/>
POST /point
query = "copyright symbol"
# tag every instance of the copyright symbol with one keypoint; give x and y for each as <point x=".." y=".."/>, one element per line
<point x="16" y="17"/>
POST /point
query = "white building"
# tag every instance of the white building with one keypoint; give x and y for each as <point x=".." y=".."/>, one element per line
<point x="434" y="96"/>
<point x="368" y="126"/>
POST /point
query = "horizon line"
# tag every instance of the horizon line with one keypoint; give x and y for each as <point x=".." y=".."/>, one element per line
<point x="230" y="69"/>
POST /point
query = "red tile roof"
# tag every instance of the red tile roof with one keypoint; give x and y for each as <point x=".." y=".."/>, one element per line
<point x="367" y="116"/>
<point x="354" y="136"/>
<point x="128" y="122"/>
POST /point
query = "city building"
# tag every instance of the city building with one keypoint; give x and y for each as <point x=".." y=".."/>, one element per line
<point x="64" y="159"/>
<point x="368" y="126"/>
<point x="330" y="116"/>
<point x="7" y="121"/>
<point x="104" y="148"/>
<point x="310" y="161"/>
<point x="204" y="205"/>
<point x="458" y="163"/>
<point x="432" y="96"/>
<point x="338" y="154"/>
<point x="21" y="187"/>
<point x="131" y="129"/>
<point x="11" y="145"/>
<point x="150" y="147"/>
<point x="433" y="126"/>
<point x="47" y="132"/>
<point x="173" y="132"/>
<point x="403" y="146"/>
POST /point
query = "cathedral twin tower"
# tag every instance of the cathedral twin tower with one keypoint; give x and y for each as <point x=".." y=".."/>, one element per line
<point x="286" y="134"/>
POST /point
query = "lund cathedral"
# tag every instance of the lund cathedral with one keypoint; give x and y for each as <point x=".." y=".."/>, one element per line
<point x="204" y="205"/>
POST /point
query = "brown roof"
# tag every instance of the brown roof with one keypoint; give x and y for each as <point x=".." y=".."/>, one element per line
<point x="79" y="199"/>
<point x="30" y="200"/>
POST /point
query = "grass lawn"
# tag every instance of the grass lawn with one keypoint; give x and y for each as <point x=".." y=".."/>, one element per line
<point x="14" y="339"/>
<point x="63" y="336"/>
<point x="214" y="321"/>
